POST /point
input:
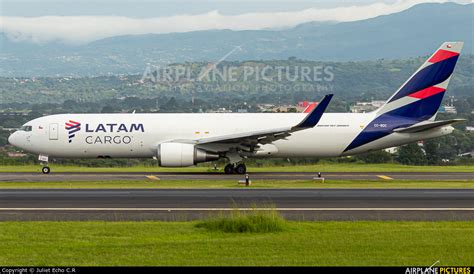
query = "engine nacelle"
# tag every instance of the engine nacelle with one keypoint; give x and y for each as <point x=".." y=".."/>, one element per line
<point x="182" y="155"/>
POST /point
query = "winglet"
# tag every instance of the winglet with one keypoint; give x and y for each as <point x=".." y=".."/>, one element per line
<point x="314" y="116"/>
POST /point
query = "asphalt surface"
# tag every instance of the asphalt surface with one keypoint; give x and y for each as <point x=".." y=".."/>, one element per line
<point x="95" y="176"/>
<point x="187" y="204"/>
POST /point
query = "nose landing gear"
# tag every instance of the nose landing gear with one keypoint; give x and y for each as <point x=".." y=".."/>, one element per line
<point x="45" y="170"/>
<point x="44" y="162"/>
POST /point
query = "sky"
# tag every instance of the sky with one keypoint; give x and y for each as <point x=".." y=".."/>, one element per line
<point x="79" y="22"/>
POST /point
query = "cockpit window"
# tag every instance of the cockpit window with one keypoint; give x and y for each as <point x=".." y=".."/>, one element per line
<point x="26" y="128"/>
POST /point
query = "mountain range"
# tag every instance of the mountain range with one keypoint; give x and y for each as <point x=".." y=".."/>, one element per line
<point x="417" y="31"/>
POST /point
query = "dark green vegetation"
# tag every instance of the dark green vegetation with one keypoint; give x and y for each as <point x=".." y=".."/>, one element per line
<point x="245" y="222"/>
<point x="398" y="35"/>
<point x="182" y="243"/>
<point x="350" y="82"/>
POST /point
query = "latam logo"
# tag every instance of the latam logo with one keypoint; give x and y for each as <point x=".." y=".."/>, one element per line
<point x="72" y="127"/>
<point x="115" y="128"/>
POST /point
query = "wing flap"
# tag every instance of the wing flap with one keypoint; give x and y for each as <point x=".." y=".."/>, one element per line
<point x="256" y="135"/>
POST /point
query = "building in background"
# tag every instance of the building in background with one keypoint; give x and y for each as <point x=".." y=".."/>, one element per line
<point x="300" y="107"/>
<point x="449" y="106"/>
<point x="362" y="107"/>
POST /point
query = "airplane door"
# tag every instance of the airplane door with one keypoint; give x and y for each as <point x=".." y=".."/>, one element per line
<point x="53" y="131"/>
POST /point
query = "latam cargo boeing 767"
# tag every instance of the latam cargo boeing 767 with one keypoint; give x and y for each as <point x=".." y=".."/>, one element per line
<point x="185" y="139"/>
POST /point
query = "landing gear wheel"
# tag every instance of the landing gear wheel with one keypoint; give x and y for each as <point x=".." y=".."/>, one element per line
<point x="240" y="169"/>
<point x="229" y="169"/>
<point x="45" y="170"/>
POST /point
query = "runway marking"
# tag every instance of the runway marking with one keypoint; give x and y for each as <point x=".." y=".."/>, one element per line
<point x="385" y="177"/>
<point x="241" y="209"/>
<point x="151" y="177"/>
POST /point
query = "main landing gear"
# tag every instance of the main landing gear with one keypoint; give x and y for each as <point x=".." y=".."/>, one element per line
<point x="238" y="169"/>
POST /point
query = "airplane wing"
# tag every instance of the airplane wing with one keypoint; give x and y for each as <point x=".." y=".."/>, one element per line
<point x="427" y="126"/>
<point x="251" y="139"/>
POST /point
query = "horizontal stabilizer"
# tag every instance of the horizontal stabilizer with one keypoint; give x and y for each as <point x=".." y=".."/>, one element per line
<point x="427" y="126"/>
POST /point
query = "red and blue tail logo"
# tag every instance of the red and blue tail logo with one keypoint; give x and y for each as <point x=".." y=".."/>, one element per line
<point x="417" y="100"/>
<point x="431" y="79"/>
<point x="72" y="127"/>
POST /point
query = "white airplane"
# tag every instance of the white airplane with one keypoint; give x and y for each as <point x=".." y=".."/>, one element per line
<point x="185" y="139"/>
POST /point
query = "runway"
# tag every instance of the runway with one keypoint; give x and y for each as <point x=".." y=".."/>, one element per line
<point x="107" y="176"/>
<point x="189" y="204"/>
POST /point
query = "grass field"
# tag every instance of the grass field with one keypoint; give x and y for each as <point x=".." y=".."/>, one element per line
<point x="182" y="243"/>
<point x="233" y="184"/>
<point x="323" y="167"/>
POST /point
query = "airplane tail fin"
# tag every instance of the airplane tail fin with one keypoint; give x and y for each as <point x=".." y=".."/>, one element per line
<point x="419" y="98"/>
<point x="414" y="106"/>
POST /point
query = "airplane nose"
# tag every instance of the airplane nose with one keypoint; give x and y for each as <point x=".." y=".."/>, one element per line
<point x="13" y="139"/>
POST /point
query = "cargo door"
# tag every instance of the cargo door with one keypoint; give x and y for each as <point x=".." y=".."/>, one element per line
<point x="53" y="131"/>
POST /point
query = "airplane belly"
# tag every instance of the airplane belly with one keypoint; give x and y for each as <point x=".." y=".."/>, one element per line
<point x="318" y="142"/>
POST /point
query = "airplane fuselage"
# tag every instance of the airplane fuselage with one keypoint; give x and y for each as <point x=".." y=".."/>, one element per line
<point x="138" y="135"/>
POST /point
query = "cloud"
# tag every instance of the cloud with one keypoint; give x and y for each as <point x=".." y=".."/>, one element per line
<point x="84" y="29"/>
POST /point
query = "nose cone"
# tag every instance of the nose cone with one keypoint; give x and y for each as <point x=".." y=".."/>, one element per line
<point x="13" y="139"/>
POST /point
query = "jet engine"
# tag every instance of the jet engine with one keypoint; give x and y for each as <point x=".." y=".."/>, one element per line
<point x="182" y="155"/>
